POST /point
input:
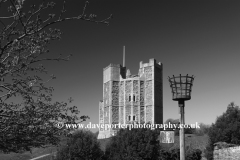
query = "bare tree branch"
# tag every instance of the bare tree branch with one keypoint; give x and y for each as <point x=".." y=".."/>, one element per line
<point x="17" y="14"/>
<point x="23" y="45"/>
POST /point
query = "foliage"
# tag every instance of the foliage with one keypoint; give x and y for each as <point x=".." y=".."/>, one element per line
<point x="194" y="154"/>
<point x="137" y="143"/>
<point x="174" y="154"/>
<point x="226" y="129"/>
<point x="172" y="121"/>
<point x="96" y="133"/>
<point x="204" y="128"/>
<point x="28" y="118"/>
<point x="82" y="145"/>
<point x="187" y="130"/>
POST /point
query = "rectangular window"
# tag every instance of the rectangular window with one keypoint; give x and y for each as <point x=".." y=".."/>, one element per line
<point x="129" y="118"/>
<point x="133" y="98"/>
<point x="129" y="98"/>
<point x="133" y="118"/>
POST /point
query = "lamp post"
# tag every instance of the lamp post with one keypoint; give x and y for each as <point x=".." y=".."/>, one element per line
<point x="181" y="91"/>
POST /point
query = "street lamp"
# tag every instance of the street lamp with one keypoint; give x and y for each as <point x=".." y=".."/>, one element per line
<point x="181" y="91"/>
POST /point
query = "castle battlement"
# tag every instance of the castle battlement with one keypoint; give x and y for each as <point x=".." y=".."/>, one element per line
<point x="112" y="65"/>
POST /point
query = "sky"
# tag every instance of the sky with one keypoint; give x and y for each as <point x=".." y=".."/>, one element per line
<point x="200" y="38"/>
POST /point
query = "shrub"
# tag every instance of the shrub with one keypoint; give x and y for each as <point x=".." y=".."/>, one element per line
<point x="82" y="145"/>
<point x="174" y="154"/>
<point x="194" y="154"/>
<point x="137" y="143"/>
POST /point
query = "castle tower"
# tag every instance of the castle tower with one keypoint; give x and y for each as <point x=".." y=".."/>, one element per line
<point x="131" y="98"/>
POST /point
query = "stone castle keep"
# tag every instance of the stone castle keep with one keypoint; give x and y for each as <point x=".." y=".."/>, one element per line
<point x="131" y="98"/>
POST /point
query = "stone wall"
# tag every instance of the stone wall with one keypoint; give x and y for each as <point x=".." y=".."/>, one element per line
<point x="128" y="89"/>
<point x="106" y="96"/>
<point x="112" y="72"/>
<point x="158" y="95"/>
<point x="106" y="102"/>
<point x="106" y="115"/>
<point x="135" y="92"/>
<point x="158" y="86"/>
<point x="121" y="114"/>
<point x="121" y="93"/>
<point x="148" y="93"/>
<point x="101" y="114"/>
<point x="115" y="114"/>
<point x="115" y="93"/>
<point x="141" y="93"/>
<point x="136" y="112"/>
<point x="149" y="115"/>
<point x="128" y="113"/>
<point x="142" y="114"/>
<point x="148" y="73"/>
<point x="230" y="153"/>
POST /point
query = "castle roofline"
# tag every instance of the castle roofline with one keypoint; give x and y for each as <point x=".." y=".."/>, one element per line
<point x="151" y="62"/>
<point x="113" y="65"/>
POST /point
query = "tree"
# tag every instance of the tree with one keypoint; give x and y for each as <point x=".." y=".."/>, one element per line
<point x="226" y="129"/>
<point x="82" y="145"/>
<point x="187" y="130"/>
<point x="174" y="121"/>
<point x="204" y="128"/>
<point x="28" y="117"/>
<point x="96" y="133"/>
<point x="137" y="143"/>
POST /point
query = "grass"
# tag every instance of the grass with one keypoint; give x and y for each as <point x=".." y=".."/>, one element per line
<point x="27" y="155"/>
<point x="191" y="141"/>
<point x="36" y="152"/>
